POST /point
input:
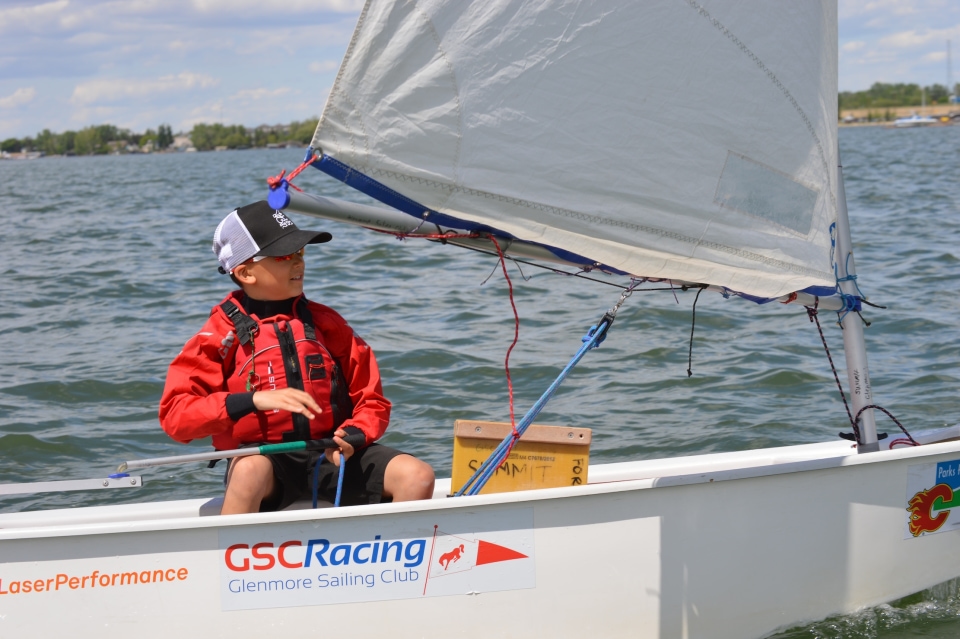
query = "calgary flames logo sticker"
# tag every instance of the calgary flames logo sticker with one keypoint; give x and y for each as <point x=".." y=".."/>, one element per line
<point x="922" y="505"/>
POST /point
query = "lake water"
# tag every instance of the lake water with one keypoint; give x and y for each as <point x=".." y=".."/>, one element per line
<point x="107" y="271"/>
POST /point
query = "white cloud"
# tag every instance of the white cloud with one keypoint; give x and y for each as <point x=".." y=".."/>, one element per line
<point x="908" y="39"/>
<point x="96" y="114"/>
<point x="20" y="96"/>
<point x="246" y="95"/>
<point x="116" y="89"/>
<point x="324" y="66"/>
<point x="16" y="18"/>
<point x="277" y="6"/>
<point x="853" y="8"/>
<point x="89" y="39"/>
<point x="856" y="45"/>
<point x="9" y="125"/>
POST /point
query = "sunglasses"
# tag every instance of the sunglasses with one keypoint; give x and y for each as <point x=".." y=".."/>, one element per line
<point x="281" y="258"/>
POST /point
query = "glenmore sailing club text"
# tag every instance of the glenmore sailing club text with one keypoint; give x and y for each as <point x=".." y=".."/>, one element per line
<point x="318" y="553"/>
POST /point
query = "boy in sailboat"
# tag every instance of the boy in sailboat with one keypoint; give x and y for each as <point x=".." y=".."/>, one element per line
<point x="269" y="366"/>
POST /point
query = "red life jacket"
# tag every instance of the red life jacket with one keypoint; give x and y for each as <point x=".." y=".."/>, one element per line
<point x="288" y="355"/>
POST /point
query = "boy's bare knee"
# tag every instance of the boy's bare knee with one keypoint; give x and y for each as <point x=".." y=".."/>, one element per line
<point x="249" y="481"/>
<point x="425" y="477"/>
<point x="249" y="470"/>
<point x="408" y="478"/>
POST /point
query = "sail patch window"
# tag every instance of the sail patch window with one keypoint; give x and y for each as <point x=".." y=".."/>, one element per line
<point x="758" y="190"/>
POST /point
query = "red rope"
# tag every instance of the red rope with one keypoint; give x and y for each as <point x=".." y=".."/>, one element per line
<point x="516" y="338"/>
<point x="903" y="441"/>
<point x="430" y="236"/>
<point x="516" y="315"/>
<point x="274" y="182"/>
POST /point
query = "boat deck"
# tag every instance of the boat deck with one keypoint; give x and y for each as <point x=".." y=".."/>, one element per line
<point x="659" y="470"/>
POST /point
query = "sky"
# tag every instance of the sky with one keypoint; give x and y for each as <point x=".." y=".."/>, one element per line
<point x="67" y="64"/>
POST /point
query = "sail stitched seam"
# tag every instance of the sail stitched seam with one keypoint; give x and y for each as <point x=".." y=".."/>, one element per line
<point x="777" y="83"/>
<point x="335" y="90"/>
<point x="585" y="217"/>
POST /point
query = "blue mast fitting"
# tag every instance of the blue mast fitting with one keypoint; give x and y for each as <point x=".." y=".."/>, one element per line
<point x="486" y="470"/>
<point x="278" y="198"/>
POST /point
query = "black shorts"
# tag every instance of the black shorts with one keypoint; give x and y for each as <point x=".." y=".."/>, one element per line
<point x="362" y="477"/>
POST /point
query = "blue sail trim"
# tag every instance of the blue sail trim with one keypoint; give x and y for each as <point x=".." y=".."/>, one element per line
<point x="819" y="291"/>
<point x="383" y="193"/>
<point x="367" y="185"/>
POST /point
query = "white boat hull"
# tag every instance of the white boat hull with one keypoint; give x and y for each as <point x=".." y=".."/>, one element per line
<point x="914" y="121"/>
<point x="727" y="545"/>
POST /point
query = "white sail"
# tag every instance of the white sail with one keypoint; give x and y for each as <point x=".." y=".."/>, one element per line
<point x="679" y="139"/>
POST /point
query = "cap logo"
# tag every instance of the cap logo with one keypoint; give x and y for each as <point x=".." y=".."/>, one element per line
<point x="282" y="219"/>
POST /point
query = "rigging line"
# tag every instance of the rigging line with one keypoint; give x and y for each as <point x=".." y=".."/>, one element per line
<point x="516" y="333"/>
<point x="522" y="275"/>
<point x="895" y="421"/>
<point x="693" y="323"/>
<point x="492" y="271"/>
<point x="516" y="263"/>
<point x="275" y="182"/>
<point x="594" y="337"/>
<point x="580" y="274"/>
<point x="513" y="305"/>
<point x="552" y="269"/>
<point x="488" y="468"/>
<point x="812" y="314"/>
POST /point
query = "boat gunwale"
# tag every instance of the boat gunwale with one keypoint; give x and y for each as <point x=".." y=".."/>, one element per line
<point x="765" y="462"/>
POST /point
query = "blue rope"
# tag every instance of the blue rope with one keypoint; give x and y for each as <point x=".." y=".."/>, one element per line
<point x="851" y="303"/>
<point x="343" y="464"/>
<point x="316" y="481"/>
<point x="475" y="484"/>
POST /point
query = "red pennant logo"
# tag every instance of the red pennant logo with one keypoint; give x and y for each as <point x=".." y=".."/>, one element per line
<point x="488" y="553"/>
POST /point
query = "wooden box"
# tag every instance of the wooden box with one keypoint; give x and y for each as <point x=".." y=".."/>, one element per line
<point x="545" y="457"/>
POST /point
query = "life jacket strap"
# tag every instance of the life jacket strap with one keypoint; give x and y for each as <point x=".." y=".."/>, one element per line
<point x="294" y="374"/>
<point x="340" y="400"/>
<point x="341" y="404"/>
<point x="303" y="314"/>
<point x="245" y="326"/>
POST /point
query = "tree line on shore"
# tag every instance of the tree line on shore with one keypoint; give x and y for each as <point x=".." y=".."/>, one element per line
<point x="106" y="138"/>
<point x="885" y="96"/>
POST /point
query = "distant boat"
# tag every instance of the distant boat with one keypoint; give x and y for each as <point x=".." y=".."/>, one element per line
<point x="914" y="120"/>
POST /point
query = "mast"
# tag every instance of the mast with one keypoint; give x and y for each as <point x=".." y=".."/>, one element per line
<point x="854" y="345"/>
<point x="950" y="92"/>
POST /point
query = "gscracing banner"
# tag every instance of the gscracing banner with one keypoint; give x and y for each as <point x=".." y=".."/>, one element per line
<point x="376" y="558"/>
<point x="933" y="493"/>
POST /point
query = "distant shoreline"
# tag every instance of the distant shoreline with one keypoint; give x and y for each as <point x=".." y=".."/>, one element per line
<point x="859" y="117"/>
<point x="36" y="155"/>
<point x="934" y="111"/>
